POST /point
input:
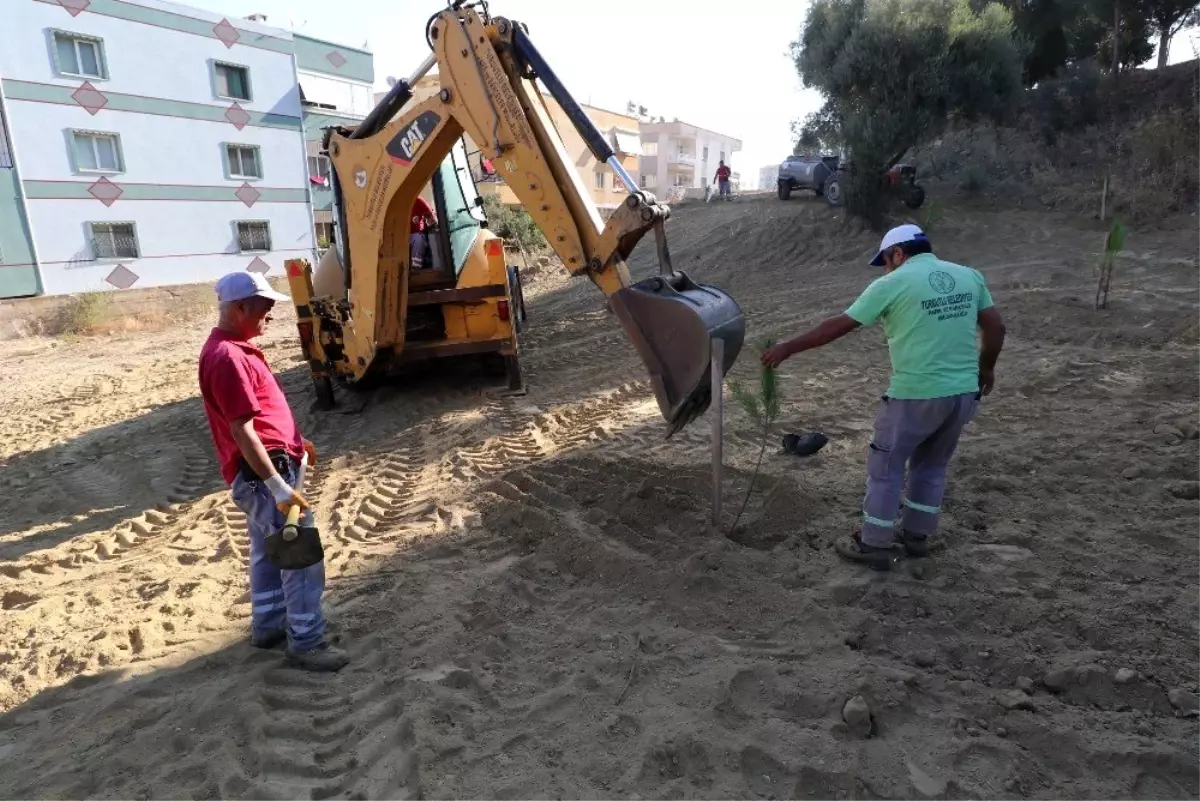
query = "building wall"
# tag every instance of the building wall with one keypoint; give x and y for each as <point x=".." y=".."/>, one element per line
<point x="158" y="94"/>
<point x="674" y="154"/>
<point x="18" y="275"/>
<point x="335" y="78"/>
<point x="768" y="177"/>
<point x="336" y="83"/>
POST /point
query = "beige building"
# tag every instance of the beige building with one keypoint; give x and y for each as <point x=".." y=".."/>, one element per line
<point x="621" y="131"/>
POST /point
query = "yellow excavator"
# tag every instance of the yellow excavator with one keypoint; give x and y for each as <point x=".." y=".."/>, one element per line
<point x="386" y="294"/>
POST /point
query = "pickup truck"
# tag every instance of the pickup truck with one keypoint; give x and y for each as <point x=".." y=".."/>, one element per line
<point x="825" y="176"/>
<point x="807" y="172"/>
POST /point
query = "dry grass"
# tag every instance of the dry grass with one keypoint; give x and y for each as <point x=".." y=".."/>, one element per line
<point x="1141" y="134"/>
<point x="84" y="314"/>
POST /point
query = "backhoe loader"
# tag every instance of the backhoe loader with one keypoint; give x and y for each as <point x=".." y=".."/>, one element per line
<point x="367" y="309"/>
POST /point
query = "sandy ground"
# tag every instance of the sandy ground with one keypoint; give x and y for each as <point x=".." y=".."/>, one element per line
<point x="533" y="599"/>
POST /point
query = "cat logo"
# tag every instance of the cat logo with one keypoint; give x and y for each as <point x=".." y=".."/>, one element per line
<point x="360" y="178"/>
<point x="405" y="145"/>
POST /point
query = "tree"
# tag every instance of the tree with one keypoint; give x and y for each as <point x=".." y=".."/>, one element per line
<point x="894" y="72"/>
<point x="819" y="133"/>
<point x="1169" y="17"/>
<point x="1127" y="42"/>
<point x="1055" y="33"/>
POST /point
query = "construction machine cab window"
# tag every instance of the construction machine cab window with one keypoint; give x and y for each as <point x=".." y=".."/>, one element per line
<point x="459" y="213"/>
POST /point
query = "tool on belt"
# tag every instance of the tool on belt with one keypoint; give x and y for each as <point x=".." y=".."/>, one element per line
<point x="295" y="547"/>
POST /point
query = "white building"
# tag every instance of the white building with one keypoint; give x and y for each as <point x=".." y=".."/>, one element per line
<point x="334" y="90"/>
<point x="768" y="177"/>
<point x="678" y="154"/>
<point x="153" y="144"/>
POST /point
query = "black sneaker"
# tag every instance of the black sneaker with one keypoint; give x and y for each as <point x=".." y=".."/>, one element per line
<point x="874" y="557"/>
<point x="915" y="545"/>
<point x="324" y="658"/>
<point x="269" y="640"/>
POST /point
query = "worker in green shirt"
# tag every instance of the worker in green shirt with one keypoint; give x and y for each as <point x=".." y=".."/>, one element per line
<point x="929" y="309"/>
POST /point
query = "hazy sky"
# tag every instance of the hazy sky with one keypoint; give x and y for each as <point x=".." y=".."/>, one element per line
<point x="726" y="71"/>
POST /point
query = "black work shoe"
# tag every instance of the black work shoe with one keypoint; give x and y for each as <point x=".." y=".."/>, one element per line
<point x="324" y="658"/>
<point x="915" y="545"/>
<point x="855" y="550"/>
<point x="269" y="640"/>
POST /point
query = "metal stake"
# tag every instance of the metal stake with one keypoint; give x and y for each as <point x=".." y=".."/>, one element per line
<point x="718" y="419"/>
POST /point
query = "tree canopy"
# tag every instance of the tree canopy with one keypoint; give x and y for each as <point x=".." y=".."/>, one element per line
<point x="894" y="72"/>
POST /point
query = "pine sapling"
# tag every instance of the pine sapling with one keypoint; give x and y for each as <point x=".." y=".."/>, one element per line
<point x="1114" y="243"/>
<point x="763" y="409"/>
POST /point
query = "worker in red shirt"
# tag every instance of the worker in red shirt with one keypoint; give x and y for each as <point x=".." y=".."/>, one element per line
<point x="423" y="219"/>
<point x="722" y="179"/>
<point x="259" y="448"/>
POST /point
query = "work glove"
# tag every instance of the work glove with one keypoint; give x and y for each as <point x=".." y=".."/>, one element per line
<point x="285" y="497"/>
<point x="311" y="450"/>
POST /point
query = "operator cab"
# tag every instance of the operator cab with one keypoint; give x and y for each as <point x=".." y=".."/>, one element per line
<point x="456" y="204"/>
<point x="459" y="210"/>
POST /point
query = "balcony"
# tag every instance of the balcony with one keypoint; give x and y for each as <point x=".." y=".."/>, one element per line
<point x="684" y="160"/>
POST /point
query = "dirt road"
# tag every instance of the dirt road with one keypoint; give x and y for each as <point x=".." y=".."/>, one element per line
<point x="530" y="592"/>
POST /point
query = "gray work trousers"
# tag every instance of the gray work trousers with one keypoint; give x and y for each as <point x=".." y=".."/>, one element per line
<point x="920" y="436"/>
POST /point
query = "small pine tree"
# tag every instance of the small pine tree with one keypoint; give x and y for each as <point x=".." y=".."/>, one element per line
<point x="1114" y="243"/>
<point x="763" y="409"/>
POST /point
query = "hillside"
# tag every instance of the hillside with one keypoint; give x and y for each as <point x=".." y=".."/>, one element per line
<point x="1141" y="132"/>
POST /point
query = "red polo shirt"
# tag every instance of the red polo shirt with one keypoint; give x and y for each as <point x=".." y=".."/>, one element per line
<point x="422" y="216"/>
<point x="235" y="381"/>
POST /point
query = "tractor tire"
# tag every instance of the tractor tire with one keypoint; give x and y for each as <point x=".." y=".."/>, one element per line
<point x="785" y="190"/>
<point x="833" y="191"/>
<point x="916" y="197"/>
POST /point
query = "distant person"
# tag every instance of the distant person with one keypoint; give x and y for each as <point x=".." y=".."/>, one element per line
<point x="929" y="309"/>
<point x="423" y="219"/>
<point x="259" y="448"/>
<point x="722" y="179"/>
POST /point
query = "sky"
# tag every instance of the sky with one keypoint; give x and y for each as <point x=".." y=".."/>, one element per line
<point x="728" y="72"/>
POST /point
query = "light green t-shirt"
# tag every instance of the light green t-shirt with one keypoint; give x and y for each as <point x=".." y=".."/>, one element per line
<point x="929" y="309"/>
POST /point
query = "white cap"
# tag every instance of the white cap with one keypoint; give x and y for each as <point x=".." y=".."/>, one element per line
<point x="239" y="286"/>
<point x="898" y="236"/>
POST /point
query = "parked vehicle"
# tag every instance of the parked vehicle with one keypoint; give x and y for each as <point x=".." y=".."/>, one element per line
<point x="826" y="175"/>
<point x="805" y="172"/>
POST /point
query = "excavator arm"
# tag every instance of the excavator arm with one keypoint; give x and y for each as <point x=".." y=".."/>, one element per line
<point x="487" y="69"/>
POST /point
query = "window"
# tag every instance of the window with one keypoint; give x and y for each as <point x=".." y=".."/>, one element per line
<point x="318" y="167"/>
<point x="77" y="55"/>
<point x="233" y="82"/>
<point x="97" y="152"/>
<point x="242" y="161"/>
<point x="599" y="180"/>
<point x="115" y="240"/>
<point x="650" y="181"/>
<point x="650" y="148"/>
<point x="705" y="158"/>
<point x="704" y="183"/>
<point x="722" y="155"/>
<point x="253" y="236"/>
<point x="642" y="181"/>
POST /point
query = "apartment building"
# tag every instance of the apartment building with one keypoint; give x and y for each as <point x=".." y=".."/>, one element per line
<point x="606" y="189"/>
<point x="768" y="177"/>
<point x="144" y="143"/>
<point x="677" y="154"/>
<point x="334" y="91"/>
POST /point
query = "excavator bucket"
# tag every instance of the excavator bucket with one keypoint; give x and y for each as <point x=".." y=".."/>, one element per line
<point x="671" y="321"/>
